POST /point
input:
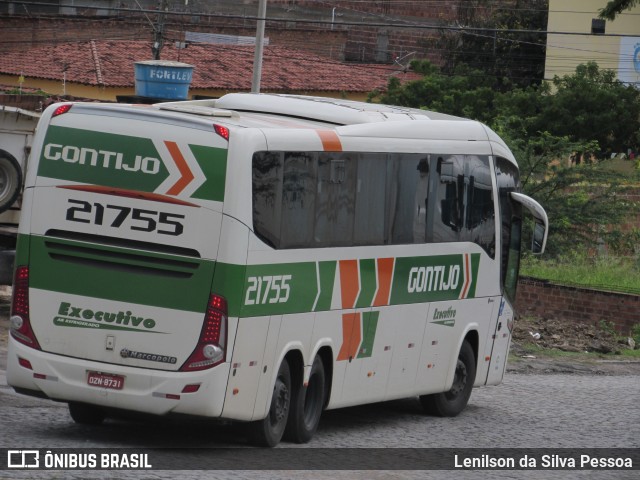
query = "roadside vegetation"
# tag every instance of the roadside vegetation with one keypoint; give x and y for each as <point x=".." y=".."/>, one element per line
<point x="570" y="158"/>
<point x="576" y="139"/>
<point x="615" y="273"/>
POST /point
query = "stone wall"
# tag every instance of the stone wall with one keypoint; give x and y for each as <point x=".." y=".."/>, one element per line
<point x="580" y="305"/>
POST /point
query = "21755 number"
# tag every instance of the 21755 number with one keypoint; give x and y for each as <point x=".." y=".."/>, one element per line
<point x="115" y="216"/>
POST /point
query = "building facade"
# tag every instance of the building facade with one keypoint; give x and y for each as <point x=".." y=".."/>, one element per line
<point x="577" y="36"/>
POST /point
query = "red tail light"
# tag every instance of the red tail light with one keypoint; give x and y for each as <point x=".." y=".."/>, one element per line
<point x="222" y="131"/>
<point x="20" y="323"/>
<point x="62" y="109"/>
<point x="212" y="344"/>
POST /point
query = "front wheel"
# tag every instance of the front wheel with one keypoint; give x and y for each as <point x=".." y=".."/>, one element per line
<point x="268" y="432"/>
<point x="451" y="403"/>
<point x="306" y="405"/>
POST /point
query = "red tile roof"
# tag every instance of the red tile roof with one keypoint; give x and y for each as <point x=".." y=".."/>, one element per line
<point x="226" y="67"/>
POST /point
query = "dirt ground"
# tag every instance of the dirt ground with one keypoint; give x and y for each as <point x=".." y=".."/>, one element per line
<point x="538" y="346"/>
<point x="554" y="346"/>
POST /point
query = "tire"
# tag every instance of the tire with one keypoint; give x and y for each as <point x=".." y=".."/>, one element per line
<point x="268" y="432"/>
<point x="86" y="414"/>
<point x="307" y="403"/>
<point x="451" y="403"/>
<point x="10" y="180"/>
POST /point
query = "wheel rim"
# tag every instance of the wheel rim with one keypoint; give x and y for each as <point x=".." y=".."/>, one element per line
<point x="459" y="381"/>
<point x="280" y="406"/>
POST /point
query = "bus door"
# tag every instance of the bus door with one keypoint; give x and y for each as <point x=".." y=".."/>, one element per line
<point x="499" y="341"/>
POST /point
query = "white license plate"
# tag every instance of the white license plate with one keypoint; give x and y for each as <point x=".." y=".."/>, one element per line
<point x="105" y="380"/>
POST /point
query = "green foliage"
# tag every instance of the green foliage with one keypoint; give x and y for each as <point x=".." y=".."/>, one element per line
<point x="635" y="334"/>
<point x="607" y="327"/>
<point x="580" y="269"/>
<point x="593" y="105"/>
<point x="513" y="58"/>
<point x="615" y="7"/>
<point x="468" y="93"/>
<point x="560" y="139"/>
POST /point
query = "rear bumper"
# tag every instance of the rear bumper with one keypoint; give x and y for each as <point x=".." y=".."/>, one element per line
<point x="150" y="391"/>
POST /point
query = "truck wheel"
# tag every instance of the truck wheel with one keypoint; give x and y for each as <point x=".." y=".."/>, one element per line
<point x="306" y="405"/>
<point x="451" y="403"/>
<point x="268" y="432"/>
<point x="86" y="414"/>
<point x="10" y="180"/>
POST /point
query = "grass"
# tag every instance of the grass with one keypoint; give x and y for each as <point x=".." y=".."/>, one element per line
<point x="619" y="274"/>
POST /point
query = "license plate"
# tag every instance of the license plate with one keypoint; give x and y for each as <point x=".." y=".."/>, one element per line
<point x="105" y="380"/>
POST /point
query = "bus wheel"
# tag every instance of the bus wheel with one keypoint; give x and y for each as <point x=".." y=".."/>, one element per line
<point x="10" y="180"/>
<point x="268" y="432"/>
<point x="306" y="405"/>
<point x="86" y="414"/>
<point x="451" y="403"/>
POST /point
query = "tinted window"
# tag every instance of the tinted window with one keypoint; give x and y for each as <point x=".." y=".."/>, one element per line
<point x="318" y="199"/>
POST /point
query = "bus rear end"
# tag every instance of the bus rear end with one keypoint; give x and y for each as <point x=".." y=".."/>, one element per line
<point x="116" y="253"/>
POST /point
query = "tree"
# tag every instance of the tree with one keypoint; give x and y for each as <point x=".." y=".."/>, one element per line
<point x="592" y="105"/>
<point x="615" y="7"/>
<point x="468" y="93"/>
<point x="589" y="111"/>
<point x="514" y="58"/>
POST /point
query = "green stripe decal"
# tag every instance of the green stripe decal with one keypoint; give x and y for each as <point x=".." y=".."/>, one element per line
<point x="128" y="162"/>
<point x="369" y="327"/>
<point x="98" y="158"/>
<point x="327" y="274"/>
<point x="213" y="163"/>
<point x="434" y="278"/>
<point x="120" y="274"/>
<point x="368" y="283"/>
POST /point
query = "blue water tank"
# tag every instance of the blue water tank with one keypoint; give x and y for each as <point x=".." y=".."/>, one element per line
<point x="163" y="79"/>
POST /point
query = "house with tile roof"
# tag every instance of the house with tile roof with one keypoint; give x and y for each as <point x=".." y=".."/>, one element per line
<point x="103" y="70"/>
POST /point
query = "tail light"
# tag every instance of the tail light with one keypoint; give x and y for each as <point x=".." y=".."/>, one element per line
<point x="62" y="109"/>
<point x="211" y="348"/>
<point x="20" y="323"/>
<point x="222" y="131"/>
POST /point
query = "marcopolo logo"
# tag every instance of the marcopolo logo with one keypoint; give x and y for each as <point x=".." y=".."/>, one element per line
<point x="71" y="316"/>
<point x="101" y="158"/>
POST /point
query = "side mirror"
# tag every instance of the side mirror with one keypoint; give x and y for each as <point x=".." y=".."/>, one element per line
<point x="541" y="228"/>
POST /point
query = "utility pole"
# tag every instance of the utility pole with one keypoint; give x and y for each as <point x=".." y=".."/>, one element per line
<point x="158" y="29"/>
<point x="257" y="60"/>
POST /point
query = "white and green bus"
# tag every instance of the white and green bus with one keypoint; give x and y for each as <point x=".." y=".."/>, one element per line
<point x="262" y="258"/>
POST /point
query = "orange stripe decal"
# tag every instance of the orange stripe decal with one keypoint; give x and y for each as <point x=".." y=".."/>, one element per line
<point x="467" y="277"/>
<point x="349" y="284"/>
<point x="121" y="192"/>
<point x="330" y="141"/>
<point x="181" y="163"/>
<point x="351" y="336"/>
<point x="385" y="272"/>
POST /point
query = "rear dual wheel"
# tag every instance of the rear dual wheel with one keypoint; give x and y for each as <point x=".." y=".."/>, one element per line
<point x="295" y="409"/>
<point x="306" y="406"/>
<point x="268" y="432"/>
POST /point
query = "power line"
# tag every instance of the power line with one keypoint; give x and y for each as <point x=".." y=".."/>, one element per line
<point x="345" y="23"/>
